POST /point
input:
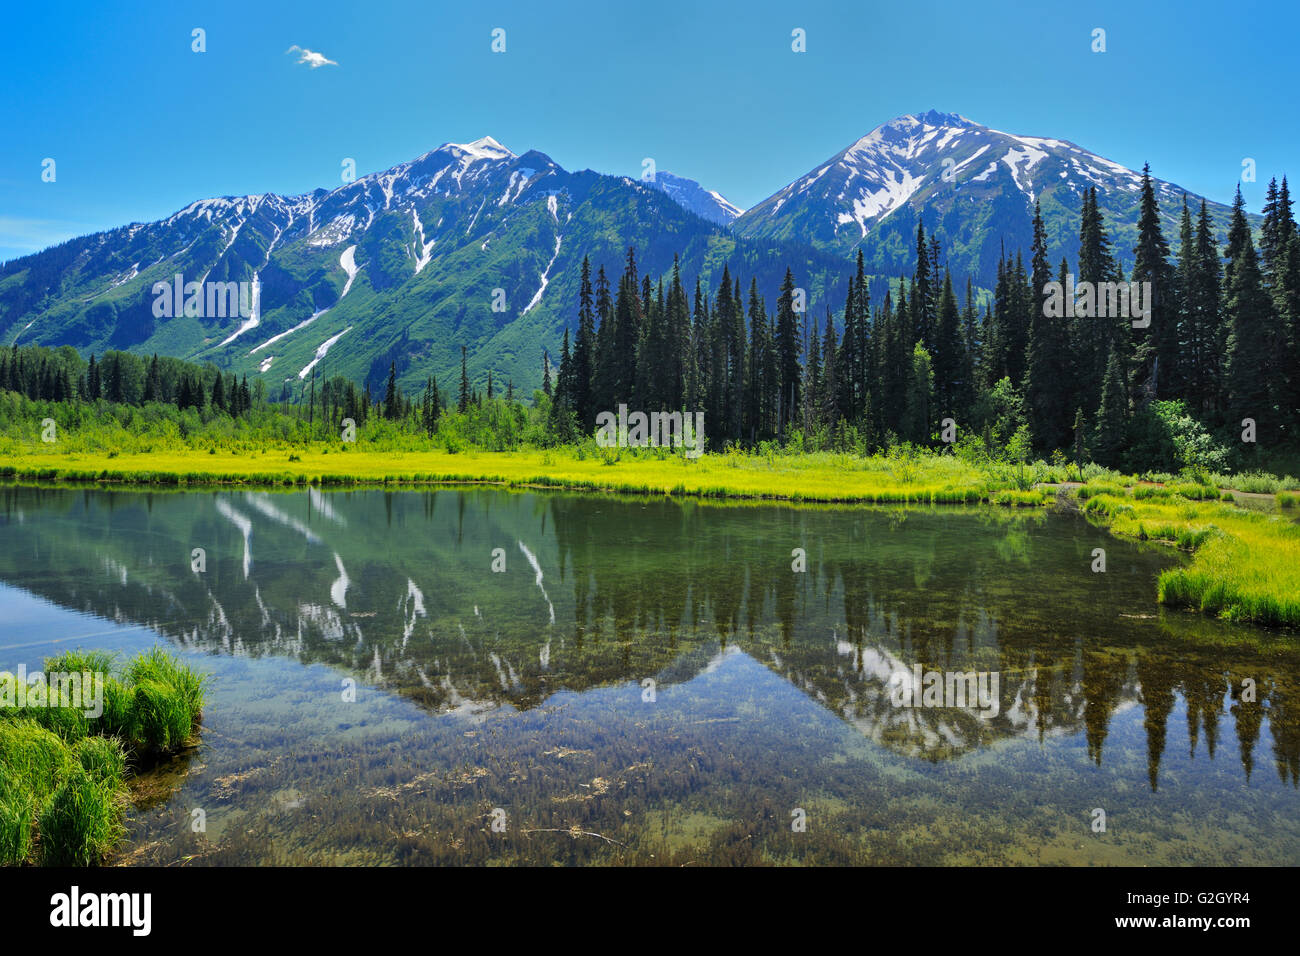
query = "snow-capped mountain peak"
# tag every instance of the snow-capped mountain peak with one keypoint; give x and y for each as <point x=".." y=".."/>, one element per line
<point x="693" y="197"/>
<point x="973" y="186"/>
<point x="483" y="148"/>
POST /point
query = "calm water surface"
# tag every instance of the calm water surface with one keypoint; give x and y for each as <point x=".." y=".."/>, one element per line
<point x="648" y="681"/>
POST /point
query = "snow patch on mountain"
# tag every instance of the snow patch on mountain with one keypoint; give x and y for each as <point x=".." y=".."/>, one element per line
<point x="322" y="351"/>
<point x="348" y="263"/>
<point x="691" y="196"/>
<point x="537" y="296"/>
<point x="423" y="250"/>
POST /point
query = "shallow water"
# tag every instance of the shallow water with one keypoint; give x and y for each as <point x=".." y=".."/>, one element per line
<point x="649" y="681"/>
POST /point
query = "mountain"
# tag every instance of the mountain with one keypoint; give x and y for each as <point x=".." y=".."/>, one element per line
<point x="398" y="266"/>
<point x="693" y="197"/>
<point x="872" y="194"/>
<point x="473" y="245"/>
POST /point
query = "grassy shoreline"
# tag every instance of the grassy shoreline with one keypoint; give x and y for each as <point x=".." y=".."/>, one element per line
<point x="816" y="478"/>
<point x="1245" y="565"/>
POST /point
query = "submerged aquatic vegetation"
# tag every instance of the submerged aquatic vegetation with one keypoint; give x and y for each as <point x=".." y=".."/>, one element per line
<point x="63" y="791"/>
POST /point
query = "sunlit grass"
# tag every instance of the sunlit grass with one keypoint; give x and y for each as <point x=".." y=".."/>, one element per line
<point x="1245" y="564"/>
<point x="63" y="775"/>
<point x="922" y="479"/>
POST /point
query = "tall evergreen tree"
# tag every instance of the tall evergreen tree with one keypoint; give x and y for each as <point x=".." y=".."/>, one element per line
<point x="1047" y="364"/>
<point x="1158" y="349"/>
<point x="392" y="404"/>
<point x="463" y="404"/>
<point x="789" y="339"/>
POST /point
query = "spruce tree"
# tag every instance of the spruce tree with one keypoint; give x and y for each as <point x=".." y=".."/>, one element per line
<point x="463" y="404"/>
<point x="1254" y="374"/>
<point x="584" y="350"/>
<point x="917" y="412"/>
<point x="952" y="395"/>
<point x="1047" y="362"/>
<point x="1112" y="414"/>
<point x="391" y="406"/>
<point x="789" y="338"/>
<point x="1157" y="351"/>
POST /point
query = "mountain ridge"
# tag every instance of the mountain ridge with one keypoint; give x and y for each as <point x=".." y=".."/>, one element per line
<point x="471" y="244"/>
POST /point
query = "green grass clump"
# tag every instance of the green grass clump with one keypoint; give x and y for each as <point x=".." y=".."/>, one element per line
<point x="1091" y="490"/>
<point x="1194" y="492"/>
<point x="161" y="720"/>
<point x="167" y="701"/>
<point x="103" y="758"/>
<point x="83" y="821"/>
<point x="63" y="792"/>
<point x="1257" y="482"/>
<point x="16" y="813"/>
<point x="1288" y="499"/>
<point x="35" y="757"/>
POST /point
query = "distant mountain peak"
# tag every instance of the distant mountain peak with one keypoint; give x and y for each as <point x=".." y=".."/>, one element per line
<point x="483" y="148"/>
<point x="693" y="197"/>
<point x="932" y="118"/>
<point x="977" y="187"/>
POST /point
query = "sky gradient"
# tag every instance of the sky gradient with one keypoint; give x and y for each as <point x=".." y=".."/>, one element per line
<point x="140" y="126"/>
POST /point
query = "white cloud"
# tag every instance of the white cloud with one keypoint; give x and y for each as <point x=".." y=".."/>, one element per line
<point x="311" y="58"/>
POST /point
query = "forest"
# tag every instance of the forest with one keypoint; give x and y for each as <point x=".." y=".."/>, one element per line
<point x="1212" y="383"/>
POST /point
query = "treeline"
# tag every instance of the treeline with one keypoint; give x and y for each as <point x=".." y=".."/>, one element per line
<point x="61" y="375"/>
<point x="1223" y="345"/>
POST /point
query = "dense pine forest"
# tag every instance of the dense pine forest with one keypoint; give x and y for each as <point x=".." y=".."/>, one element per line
<point x="1222" y="346"/>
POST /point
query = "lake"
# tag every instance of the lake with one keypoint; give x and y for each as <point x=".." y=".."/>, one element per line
<point x="482" y="676"/>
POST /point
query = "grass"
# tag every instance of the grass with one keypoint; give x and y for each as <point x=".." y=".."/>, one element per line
<point x="1245" y="564"/>
<point x="63" y="790"/>
<point x="824" y="476"/>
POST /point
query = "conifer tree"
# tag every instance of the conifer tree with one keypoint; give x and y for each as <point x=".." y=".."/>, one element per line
<point x="463" y="404"/>
<point x="391" y="401"/>
<point x="1157" y="351"/>
<point x="584" y="350"/>
<point x="789" y="338"/>
<point x="1047" y="365"/>
<point x="1112" y="414"/>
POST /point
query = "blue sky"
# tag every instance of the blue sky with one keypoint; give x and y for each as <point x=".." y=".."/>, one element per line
<point x="139" y="125"/>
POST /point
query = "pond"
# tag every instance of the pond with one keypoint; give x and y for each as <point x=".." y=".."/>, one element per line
<point x="482" y="676"/>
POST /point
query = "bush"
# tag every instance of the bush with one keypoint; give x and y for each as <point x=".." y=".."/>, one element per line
<point x="1165" y="436"/>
